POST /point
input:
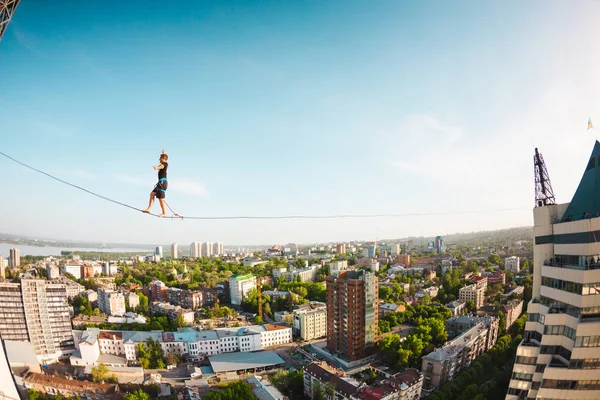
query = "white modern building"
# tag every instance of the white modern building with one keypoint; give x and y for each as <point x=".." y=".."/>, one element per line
<point x="512" y="264"/>
<point x="217" y="249"/>
<point x="118" y="347"/>
<point x="239" y="286"/>
<point x="174" y="250"/>
<point x="207" y="249"/>
<point x="559" y="357"/>
<point x="52" y="271"/>
<point x="195" y="248"/>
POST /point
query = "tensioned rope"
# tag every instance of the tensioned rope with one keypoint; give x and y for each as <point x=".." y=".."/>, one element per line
<point x="333" y="216"/>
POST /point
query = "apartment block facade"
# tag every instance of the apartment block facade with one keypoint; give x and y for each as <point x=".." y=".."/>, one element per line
<point x="352" y="322"/>
<point x="473" y="293"/>
<point x="474" y="336"/>
<point x="310" y="322"/>
<point x="240" y="285"/>
<point x="37" y="310"/>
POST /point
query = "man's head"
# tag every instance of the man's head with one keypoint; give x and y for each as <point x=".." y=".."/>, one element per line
<point x="164" y="157"/>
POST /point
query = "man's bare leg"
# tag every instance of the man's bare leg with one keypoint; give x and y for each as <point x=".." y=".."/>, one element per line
<point x="162" y="206"/>
<point x="150" y="203"/>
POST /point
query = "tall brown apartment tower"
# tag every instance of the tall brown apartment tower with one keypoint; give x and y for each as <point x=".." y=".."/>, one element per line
<point x="352" y="322"/>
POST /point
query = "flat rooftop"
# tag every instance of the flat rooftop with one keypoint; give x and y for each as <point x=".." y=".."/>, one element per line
<point x="238" y="361"/>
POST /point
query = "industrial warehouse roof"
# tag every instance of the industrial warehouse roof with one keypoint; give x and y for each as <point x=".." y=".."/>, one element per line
<point x="237" y="361"/>
<point x="586" y="201"/>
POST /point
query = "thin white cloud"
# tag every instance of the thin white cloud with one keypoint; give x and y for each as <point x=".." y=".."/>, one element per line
<point x="131" y="180"/>
<point x="188" y="187"/>
<point x="74" y="173"/>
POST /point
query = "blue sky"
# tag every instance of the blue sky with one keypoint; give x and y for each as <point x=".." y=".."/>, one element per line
<point x="269" y="108"/>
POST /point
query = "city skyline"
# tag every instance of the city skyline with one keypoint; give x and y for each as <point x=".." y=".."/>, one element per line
<point x="279" y="109"/>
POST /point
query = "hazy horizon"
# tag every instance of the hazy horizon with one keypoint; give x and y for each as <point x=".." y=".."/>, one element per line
<point x="308" y="108"/>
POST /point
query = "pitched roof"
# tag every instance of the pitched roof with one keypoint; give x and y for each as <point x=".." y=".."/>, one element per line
<point x="586" y="201"/>
<point x="326" y="374"/>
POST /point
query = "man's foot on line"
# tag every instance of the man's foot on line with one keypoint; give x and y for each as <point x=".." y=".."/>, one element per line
<point x="161" y="215"/>
<point x="147" y="211"/>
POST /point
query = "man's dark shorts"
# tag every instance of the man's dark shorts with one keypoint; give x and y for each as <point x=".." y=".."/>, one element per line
<point x="160" y="189"/>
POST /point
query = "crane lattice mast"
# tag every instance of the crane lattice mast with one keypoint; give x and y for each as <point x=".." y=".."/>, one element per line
<point x="7" y="9"/>
<point x="544" y="195"/>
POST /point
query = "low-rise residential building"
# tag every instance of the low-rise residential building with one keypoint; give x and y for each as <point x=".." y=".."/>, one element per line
<point x="511" y="310"/>
<point x="387" y="308"/>
<point x="307" y="274"/>
<point x="336" y="266"/>
<point x="263" y="389"/>
<point x="133" y="300"/>
<point x="443" y="364"/>
<point x="279" y="272"/>
<point x="275" y="334"/>
<point x="320" y="377"/>
<point x="73" y="288"/>
<point x="116" y="348"/>
<point x="481" y="281"/>
<point x="432" y="292"/>
<point x="310" y="321"/>
<point x="192" y="299"/>
<point x="158" y="290"/>
<point x="516" y="291"/>
<point x="73" y="268"/>
<point x="172" y="312"/>
<point x="458" y="325"/>
<point x="252" y="262"/>
<point x="275" y="293"/>
<point x="429" y="275"/>
<point x="405" y="385"/>
<point x="457" y="307"/>
<point x="127" y="318"/>
<point x="52" y="271"/>
<point x="111" y="302"/>
<point x="472" y="293"/>
<point x="495" y="278"/>
<point x="54" y="386"/>
<point x="90" y="295"/>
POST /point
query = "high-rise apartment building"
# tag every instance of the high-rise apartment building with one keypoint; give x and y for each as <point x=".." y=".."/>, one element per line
<point x="352" y="321"/>
<point x="340" y="248"/>
<point x="15" y="258"/>
<point x="217" y="249"/>
<point x="158" y="251"/>
<point x="174" y="251"/>
<point x="207" y="249"/>
<point x="239" y="286"/>
<point x="195" y="250"/>
<point x="559" y="357"/>
<point x="2" y="268"/>
<point x="36" y="310"/>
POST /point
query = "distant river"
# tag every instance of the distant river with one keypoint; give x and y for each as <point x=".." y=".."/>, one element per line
<point x="55" y="251"/>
